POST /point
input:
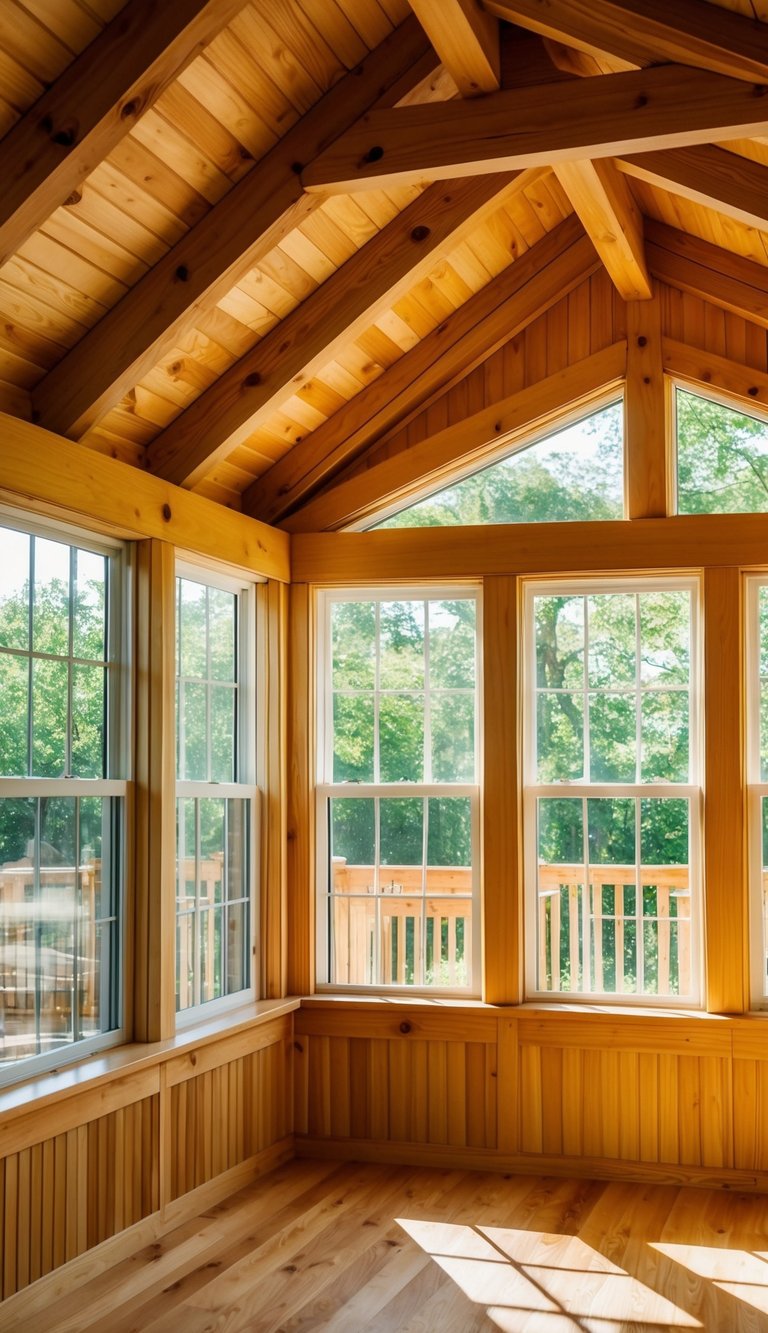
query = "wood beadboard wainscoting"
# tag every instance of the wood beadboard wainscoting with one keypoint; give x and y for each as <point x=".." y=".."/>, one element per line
<point x="114" y="1153"/>
<point x="652" y="1096"/>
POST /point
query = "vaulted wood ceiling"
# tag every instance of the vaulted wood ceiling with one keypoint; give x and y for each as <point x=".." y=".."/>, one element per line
<point x="242" y="243"/>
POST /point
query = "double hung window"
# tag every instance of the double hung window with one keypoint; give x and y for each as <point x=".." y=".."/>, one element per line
<point x="62" y="794"/>
<point x="216" y="792"/>
<point x="397" y="790"/>
<point x="612" y="799"/>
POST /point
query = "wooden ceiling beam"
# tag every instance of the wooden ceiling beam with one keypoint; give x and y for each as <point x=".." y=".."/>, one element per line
<point x="387" y="266"/>
<point x="612" y="220"/>
<point x="668" y="106"/>
<point x="644" y="32"/>
<point x="95" y="103"/>
<point x="461" y="448"/>
<point x="732" y="185"/>
<point x="692" y="265"/>
<point x="523" y="291"/>
<point x="466" y="38"/>
<point x="211" y="258"/>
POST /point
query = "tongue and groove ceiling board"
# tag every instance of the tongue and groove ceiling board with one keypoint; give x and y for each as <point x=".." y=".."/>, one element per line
<point x="271" y="236"/>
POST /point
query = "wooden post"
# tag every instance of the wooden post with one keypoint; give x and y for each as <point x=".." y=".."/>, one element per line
<point x="725" y="862"/>
<point x="301" y="812"/>
<point x="502" y="863"/>
<point x="274" y="622"/>
<point x="646" y="413"/>
<point x="155" y="768"/>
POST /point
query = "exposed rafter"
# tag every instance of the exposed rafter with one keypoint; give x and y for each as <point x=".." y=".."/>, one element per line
<point x="218" y="251"/>
<point x="665" y="107"/>
<point x="646" y="31"/>
<point x="612" y="220"/>
<point x="692" y="265"/>
<point x="95" y="103"/>
<point x="522" y="292"/>
<point x="349" y="301"/>
<point x="712" y="177"/>
<point x="461" y="447"/>
<point x="466" y="39"/>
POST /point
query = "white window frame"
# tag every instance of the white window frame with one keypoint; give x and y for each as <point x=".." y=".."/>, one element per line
<point x="111" y="786"/>
<point x="250" y="758"/>
<point x="534" y="791"/>
<point x="326" y="789"/>
<point x="756" y="791"/>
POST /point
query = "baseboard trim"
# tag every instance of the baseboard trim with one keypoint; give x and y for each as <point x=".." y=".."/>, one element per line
<point x="15" y="1312"/>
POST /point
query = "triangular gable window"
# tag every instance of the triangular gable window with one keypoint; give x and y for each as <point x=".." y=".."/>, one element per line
<point x="722" y="458"/>
<point x="572" y="475"/>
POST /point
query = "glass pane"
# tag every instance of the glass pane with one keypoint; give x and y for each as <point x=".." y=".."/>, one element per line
<point x="449" y="834"/>
<point x="560" y="737"/>
<point x="222" y="621"/>
<point x="665" y="638"/>
<point x="212" y="849"/>
<point x="612" y="640"/>
<point x="665" y="736"/>
<point x="192" y="614"/>
<point x="561" y="830"/>
<point x="352" y="932"/>
<point x="763" y="730"/>
<point x="211" y="927"/>
<point x="401" y="665"/>
<point x="222" y="699"/>
<point x="664" y="832"/>
<point x="611" y="831"/>
<point x="14" y="589"/>
<point x="574" y="474"/>
<point x="236" y="948"/>
<point x="764" y="890"/>
<point x="763" y="624"/>
<point x="612" y="737"/>
<point x="185" y="860"/>
<point x="353" y="629"/>
<point x="238" y="843"/>
<point x="401" y="837"/>
<point x="49" y="714"/>
<point x="353" y="738"/>
<point x="452" y="628"/>
<point x="353" y="837"/>
<point x="88" y="717"/>
<point x="14" y="686"/>
<point x="401" y="926"/>
<point x="722" y="458"/>
<point x="185" y="957"/>
<point x="401" y="737"/>
<point x="50" y="612"/>
<point x="89" y="627"/>
<point x="193" y="757"/>
<point x="559" y="642"/>
<point x="448" y="936"/>
<point x="453" y="737"/>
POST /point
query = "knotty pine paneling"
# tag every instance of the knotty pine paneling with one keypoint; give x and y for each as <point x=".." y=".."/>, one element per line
<point x="65" y="1194"/>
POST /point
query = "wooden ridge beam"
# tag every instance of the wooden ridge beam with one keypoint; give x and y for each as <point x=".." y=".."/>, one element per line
<point x="48" y="474"/>
<point x="733" y="185"/>
<point x="612" y="220"/>
<point x="648" y="31"/>
<point x="499" y="311"/>
<point x="389" y="264"/>
<point x="95" y="103"/>
<point x="692" y="265"/>
<point x="462" y="447"/>
<point x="466" y="38"/>
<point x="668" y="106"/>
<point x="237" y="232"/>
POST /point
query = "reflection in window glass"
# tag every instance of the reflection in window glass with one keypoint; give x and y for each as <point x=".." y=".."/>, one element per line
<point x="573" y="475"/>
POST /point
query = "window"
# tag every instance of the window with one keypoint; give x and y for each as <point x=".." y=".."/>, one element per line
<point x="397" y="794"/>
<point x="722" y="457"/>
<point x="574" y="474"/>
<point x="757" y="774"/>
<point x="611" y="794"/>
<point x="216" y="795"/>
<point x="61" y="797"/>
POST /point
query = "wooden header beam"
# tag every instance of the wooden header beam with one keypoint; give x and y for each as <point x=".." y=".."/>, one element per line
<point x="95" y="103"/>
<point x="330" y="318"/>
<point x="648" y="31"/>
<point x="212" y="257"/>
<point x="523" y="291"/>
<point x="665" y="107"/>
<point x="47" y="474"/>
<point x="462" y="447"/>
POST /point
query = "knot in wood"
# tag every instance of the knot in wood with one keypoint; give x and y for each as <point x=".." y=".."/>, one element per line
<point x="642" y="341"/>
<point x="252" y="380"/>
<point x="420" y="233"/>
<point x="168" y="515"/>
<point x="130" y="109"/>
<point x="374" y="154"/>
<point x="65" y="138"/>
<point x="405" y="1028"/>
<point x="182" y="273"/>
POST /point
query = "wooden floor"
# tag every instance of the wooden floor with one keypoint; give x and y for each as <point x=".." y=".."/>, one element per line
<point x="316" y="1245"/>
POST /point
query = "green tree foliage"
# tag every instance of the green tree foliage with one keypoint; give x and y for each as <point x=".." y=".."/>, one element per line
<point x="722" y="458"/>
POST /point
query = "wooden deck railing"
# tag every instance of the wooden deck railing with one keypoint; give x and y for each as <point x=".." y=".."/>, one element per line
<point x="574" y="925"/>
